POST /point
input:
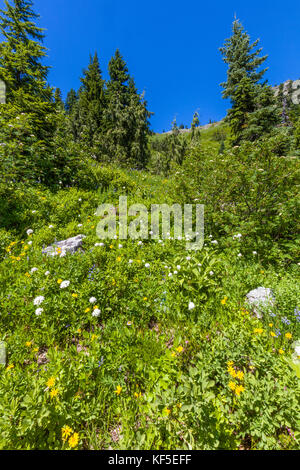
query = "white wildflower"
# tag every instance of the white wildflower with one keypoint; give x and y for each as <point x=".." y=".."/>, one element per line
<point x="93" y="300"/>
<point x="29" y="232"/>
<point x="39" y="311"/>
<point x="96" y="312"/>
<point x="64" y="284"/>
<point x="33" y="270"/>
<point x="191" y="305"/>
<point x="38" y="300"/>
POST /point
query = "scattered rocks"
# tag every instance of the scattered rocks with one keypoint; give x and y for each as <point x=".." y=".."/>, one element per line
<point x="260" y="300"/>
<point x="70" y="245"/>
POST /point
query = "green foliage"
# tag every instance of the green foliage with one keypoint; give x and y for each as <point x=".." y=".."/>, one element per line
<point x="249" y="190"/>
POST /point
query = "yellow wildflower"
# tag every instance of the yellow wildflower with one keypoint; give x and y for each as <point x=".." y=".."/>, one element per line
<point x="59" y="281"/>
<point x="288" y="335"/>
<point x="232" y="385"/>
<point x="239" y="389"/>
<point x="50" y="382"/>
<point x="240" y="375"/>
<point x="273" y="334"/>
<point x="66" y="431"/>
<point x="118" y="390"/>
<point x="87" y="310"/>
<point x="167" y="411"/>
<point x="54" y="392"/>
<point x="11" y="366"/>
<point x="73" y="441"/>
<point x="223" y="301"/>
<point x="258" y="330"/>
<point x="119" y="259"/>
<point x="28" y="344"/>
<point x="179" y="349"/>
<point x="75" y="296"/>
<point x="281" y="351"/>
<point x="231" y="371"/>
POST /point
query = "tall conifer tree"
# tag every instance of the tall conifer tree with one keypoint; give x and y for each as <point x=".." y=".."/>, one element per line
<point x="254" y="111"/>
<point x="20" y="59"/>
<point x="91" y="101"/>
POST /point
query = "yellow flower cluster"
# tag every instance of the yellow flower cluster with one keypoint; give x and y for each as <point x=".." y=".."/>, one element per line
<point x="8" y="249"/>
<point x="236" y="374"/>
<point x="50" y="384"/>
<point x="67" y="434"/>
<point x="258" y="330"/>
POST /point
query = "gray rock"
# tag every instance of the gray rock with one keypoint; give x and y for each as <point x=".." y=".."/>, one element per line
<point x="260" y="300"/>
<point x="70" y="245"/>
<point x="2" y="353"/>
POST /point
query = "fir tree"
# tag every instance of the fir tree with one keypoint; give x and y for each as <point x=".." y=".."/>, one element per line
<point x="195" y="124"/>
<point x="58" y="99"/>
<point x="254" y="111"/>
<point x="71" y="100"/>
<point x="20" y="59"/>
<point x="126" y="117"/>
<point x="91" y="102"/>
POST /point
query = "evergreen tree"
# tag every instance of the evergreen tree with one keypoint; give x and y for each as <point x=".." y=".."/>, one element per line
<point x="254" y="111"/>
<point x="126" y="117"/>
<point x="195" y="124"/>
<point x="71" y="100"/>
<point x="58" y="99"/>
<point x="91" y="102"/>
<point x="20" y="61"/>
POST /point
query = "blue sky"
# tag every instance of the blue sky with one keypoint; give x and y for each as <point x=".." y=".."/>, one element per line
<point x="171" y="47"/>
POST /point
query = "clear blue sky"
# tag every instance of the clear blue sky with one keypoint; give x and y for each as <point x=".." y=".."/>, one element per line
<point x="171" y="47"/>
